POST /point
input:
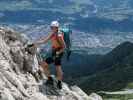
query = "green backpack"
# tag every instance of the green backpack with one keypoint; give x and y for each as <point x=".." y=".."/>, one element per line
<point x="67" y="38"/>
<point x="66" y="31"/>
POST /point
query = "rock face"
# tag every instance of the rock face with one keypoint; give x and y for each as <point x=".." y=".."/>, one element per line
<point x="18" y="74"/>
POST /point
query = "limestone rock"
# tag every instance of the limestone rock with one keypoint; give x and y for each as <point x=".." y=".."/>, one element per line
<point x="6" y="95"/>
<point x="18" y="83"/>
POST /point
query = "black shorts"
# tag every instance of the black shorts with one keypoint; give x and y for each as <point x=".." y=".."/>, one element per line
<point x="56" y="59"/>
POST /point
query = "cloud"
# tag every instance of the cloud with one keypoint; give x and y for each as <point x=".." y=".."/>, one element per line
<point x="82" y="1"/>
<point x="15" y="5"/>
<point x="2" y="15"/>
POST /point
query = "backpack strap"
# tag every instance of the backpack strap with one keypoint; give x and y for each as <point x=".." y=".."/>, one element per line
<point x="57" y="37"/>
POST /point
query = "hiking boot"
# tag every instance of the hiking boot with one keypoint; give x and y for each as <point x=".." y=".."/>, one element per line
<point x="50" y="81"/>
<point x="59" y="85"/>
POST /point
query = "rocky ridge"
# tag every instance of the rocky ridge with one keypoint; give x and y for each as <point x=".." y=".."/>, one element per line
<point x="19" y="84"/>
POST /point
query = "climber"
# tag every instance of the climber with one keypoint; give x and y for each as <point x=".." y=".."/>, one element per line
<point x="58" y="46"/>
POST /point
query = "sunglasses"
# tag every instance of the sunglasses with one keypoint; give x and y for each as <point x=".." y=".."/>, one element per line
<point x="54" y="27"/>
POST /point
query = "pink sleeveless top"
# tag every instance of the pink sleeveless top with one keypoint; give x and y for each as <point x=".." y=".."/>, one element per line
<point x="55" y="41"/>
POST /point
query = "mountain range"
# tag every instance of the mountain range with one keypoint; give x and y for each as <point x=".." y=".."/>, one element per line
<point x="98" y="25"/>
<point x="117" y="74"/>
<point x="100" y="29"/>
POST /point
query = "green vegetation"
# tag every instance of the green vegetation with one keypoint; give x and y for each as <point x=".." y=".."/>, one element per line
<point x="117" y="76"/>
<point x="129" y="86"/>
<point x="118" y="97"/>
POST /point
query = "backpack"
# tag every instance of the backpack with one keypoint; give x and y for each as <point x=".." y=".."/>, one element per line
<point x="66" y="31"/>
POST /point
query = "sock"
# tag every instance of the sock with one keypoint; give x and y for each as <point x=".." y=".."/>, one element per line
<point x="49" y="78"/>
<point x="59" y="81"/>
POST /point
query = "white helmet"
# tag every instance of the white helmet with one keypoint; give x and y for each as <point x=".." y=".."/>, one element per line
<point x="55" y="24"/>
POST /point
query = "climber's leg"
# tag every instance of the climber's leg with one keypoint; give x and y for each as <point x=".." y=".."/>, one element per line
<point x="41" y="73"/>
<point x="59" y="71"/>
<point x="45" y="66"/>
<point x="59" y="76"/>
<point x="57" y="62"/>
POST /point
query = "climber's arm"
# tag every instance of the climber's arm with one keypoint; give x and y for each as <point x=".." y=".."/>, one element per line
<point x="42" y="41"/>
